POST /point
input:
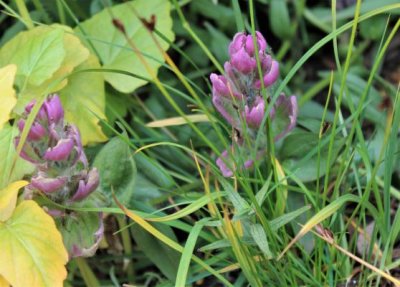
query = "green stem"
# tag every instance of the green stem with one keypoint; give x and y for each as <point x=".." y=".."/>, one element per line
<point x="127" y="244"/>
<point x="87" y="273"/>
<point x="26" y="18"/>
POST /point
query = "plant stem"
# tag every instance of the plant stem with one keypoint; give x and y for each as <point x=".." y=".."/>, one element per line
<point x="24" y="13"/>
<point x="87" y="273"/>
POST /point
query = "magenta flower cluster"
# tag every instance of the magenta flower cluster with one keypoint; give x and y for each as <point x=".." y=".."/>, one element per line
<point x="56" y="149"/>
<point x="237" y="95"/>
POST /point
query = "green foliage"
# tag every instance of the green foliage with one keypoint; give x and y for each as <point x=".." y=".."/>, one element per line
<point x="336" y="174"/>
<point x="116" y="52"/>
<point x="117" y="170"/>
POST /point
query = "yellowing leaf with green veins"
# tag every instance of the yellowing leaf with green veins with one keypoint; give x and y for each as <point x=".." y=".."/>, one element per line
<point x="75" y="54"/>
<point x="7" y="92"/>
<point x="31" y="248"/>
<point x="11" y="171"/>
<point x="8" y="199"/>
<point x="38" y="54"/>
<point x="112" y="47"/>
<point x="83" y="100"/>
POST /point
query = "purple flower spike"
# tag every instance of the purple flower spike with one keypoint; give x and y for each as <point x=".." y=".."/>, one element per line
<point x="242" y="62"/>
<point x="48" y="185"/>
<point x="61" y="151"/>
<point x="54" y="109"/>
<point x="87" y="186"/>
<point x="255" y="114"/>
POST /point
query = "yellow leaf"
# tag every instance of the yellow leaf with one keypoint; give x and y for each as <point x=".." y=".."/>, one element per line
<point x="7" y="92"/>
<point x="84" y="101"/>
<point x="177" y="121"/>
<point x="8" y="199"/>
<point x="31" y="248"/>
<point x="3" y="282"/>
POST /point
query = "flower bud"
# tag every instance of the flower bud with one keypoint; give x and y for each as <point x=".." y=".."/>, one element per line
<point x="220" y="85"/>
<point x="54" y="109"/>
<point x="61" y="151"/>
<point x="87" y="185"/>
<point x="242" y="40"/>
<point x="36" y="132"/>
<point x="271" y="75"/>
<point x="243" y="62"/>
<point x="254" y="115"/>
<point x="46" y="184"/>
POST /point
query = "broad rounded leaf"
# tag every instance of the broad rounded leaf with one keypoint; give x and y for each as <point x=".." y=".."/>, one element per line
<point x="83" y="100"/>
<point x="75" y="54"/>
<point x="31" y="249"/>
<point x="118" y="174"/>
<point x="38" y="53"/>
<point x="7" y="92"/>
<point x="8" y="199"/>
<point x="112" y="47"/>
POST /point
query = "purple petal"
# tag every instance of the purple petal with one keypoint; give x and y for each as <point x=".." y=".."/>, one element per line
<point x="249" y="44"/>
<point x="237" y="43"/>
<point x="87" y="186"/>
<point x="54" y="109"/>
<point x="48" y="185"/>
<point x="61" y="151"/>
<point x="272" y="75"/>
<point x="255" y="114"/>
<point x="73" y="133"/>
<point x="27" y="152"/>
<point x="37" y="131"/>
<point x="242" y="62"/>
<point x="221" y="163"/>
<point x="225" y="107"/>
<point x="220" y="84"/>
<point x="266" y="62"/>
<point x="55" y="212"/>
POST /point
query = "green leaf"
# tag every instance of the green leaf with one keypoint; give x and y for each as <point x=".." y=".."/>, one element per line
<point x="38" y="53"/>
<point x="84" y="101"/>
<point x="258" y="234"/>
<point x="81" y="232"/>
<point x="279" y="19"/>
<point x="187" y="253"/>
<point x="153" y="171"/>
<point x="373" y="28"/>
<point x="32" y="252"/>
<point x="163" y="256"/>
<point x="117" y="170"/>
<point x="300" y="155"/>
<point x="10" y="172"/>
<point x="112" y="47"/>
